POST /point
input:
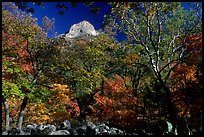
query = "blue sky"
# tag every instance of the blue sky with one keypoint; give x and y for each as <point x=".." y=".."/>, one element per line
<point x="72" y="15"/>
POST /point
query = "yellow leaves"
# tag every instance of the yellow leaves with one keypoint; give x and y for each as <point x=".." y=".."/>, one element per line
<point x="37" y="113"/>
<point x="62" y="89"/>
<point x="58" y="116"/>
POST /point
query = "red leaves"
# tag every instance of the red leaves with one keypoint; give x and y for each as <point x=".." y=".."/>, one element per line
<point x="115" y="85"/>
<point x="16" y="45"/>
<point x="187" y="72"/>
<point x="117" y="104"/>
<point x="73" y="108"/>
<point x="186" y="80"/>
<point x="194" y="47"/>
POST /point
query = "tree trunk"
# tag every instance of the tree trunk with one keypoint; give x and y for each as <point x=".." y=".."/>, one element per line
<point x="6" y="107"/>
<point x="170" y="106"/>
<point x="179" y="124"/>
<point x="21" y="113"/>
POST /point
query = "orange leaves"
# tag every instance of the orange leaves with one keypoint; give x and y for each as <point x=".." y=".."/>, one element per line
<point x="102" y="99"/>
<point x="193" y="41"/>
<point x="185" y="72"/>
<point x="115" y="85"/>
<point x="187" y="87"/>
<point x="188" y="72"/>
<point x="117" y="104"/>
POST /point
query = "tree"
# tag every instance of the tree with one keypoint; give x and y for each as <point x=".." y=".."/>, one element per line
<point x="118" y="105"/>
<point x="157" y="28"/>
<point x="83" y="65"/>
<point x="127" y="62"/>
<point x="186" y="78"/>
<point x="26" y="52"/>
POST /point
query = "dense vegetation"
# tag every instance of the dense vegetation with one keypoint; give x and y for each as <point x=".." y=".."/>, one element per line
<point x="155" y="74"/>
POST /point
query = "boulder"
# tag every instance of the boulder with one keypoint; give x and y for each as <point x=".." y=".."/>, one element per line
<point x="90" y="128"/>
<point x="102" y="129"/>
<point x="34" y="125"/>
<point x="81" y="130"/>
<point x="49" y="130"/>
<point x="28" y="128"/>
<point x="35" y="132"/>
<point x="40" y="127"/>
<point x="160" y="127"/>
<point x="66" y="125"/>
<point x="115" y="131"/>
<point x="61" y="132"/>
<point x="24" y="133"/>
<point x="73" y="131"/>
<point x="4" y="133"/>
<point x="13" y="131"/>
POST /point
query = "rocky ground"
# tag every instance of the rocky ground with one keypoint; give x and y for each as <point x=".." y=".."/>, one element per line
<point x="66" y="128"/>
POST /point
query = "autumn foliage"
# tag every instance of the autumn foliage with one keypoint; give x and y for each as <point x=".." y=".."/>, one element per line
<point x="101" y="79"/>
<point x="117" y="104"/>
<point x="186" y="78"/>
<point x="17" y="47"/>
<point x="57" y="108"/>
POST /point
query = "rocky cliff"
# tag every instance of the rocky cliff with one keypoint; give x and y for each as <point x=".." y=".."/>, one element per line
<point x="83" y="28"/>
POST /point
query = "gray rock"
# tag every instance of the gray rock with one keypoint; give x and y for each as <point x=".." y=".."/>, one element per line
<point x="61" y="132"/>
<point x="135" y="133"/>
<point x="34" y="125"/>
<point x="24" y="133"/>
<point x="90" y="129"/>
<point x="81" y="130"/>
<point x="102" y="129"/>
<point x="73" y="131"/>
<point x="4" y="133"/>
<point x="13" y="131"/>
<point x="66" y="125"/>
<point x="91" y="125"/>
<point x="80" y="29"/>
<point x="115" y="131"/>
<point x="35" y="132"/>
<point x="28" y="128"/>
<point x="49" y="130"/>
<point x="41" y="127"/>
<point x="103" y="125"/>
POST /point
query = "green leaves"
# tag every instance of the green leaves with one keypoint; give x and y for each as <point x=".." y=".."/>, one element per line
<point x="10" y="89"/>
<point x="25" y="51"/>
